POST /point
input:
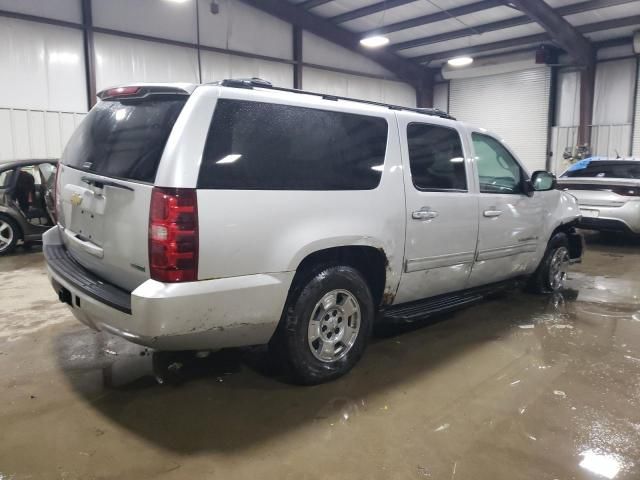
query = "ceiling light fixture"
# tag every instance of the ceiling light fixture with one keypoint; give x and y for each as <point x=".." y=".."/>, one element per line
<point x="374" y="41"/>
<point x="460" y="61"/>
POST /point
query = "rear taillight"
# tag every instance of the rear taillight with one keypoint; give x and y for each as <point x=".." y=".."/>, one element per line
<point x="173" y="235"/>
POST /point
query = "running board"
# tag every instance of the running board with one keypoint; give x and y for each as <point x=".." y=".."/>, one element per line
<point x="418" y="310"/>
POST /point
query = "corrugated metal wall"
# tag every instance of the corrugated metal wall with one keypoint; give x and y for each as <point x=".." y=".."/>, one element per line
<point x="513" y="105"/>
<point x="636" y="120"/>
<point x="42" y="85"/>
<point x="613" y="107"/>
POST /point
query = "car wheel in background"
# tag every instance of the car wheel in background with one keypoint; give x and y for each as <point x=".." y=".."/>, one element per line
<point x="9" y="235"/>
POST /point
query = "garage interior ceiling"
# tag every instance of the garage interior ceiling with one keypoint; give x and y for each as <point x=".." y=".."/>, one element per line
<point x="428" y="33"/>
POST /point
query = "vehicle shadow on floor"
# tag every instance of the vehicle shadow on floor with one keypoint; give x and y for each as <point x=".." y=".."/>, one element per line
<point x="603" y="241"/>
<point x="234" y="399"/>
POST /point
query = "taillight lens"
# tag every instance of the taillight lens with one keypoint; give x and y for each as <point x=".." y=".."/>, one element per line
<point x="173" y="235"/>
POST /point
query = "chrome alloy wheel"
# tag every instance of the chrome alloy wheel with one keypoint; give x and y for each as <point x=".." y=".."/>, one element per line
<point x="6" y="235"/>
<point x="334" y="325"/>
<point x="558" y="268"/>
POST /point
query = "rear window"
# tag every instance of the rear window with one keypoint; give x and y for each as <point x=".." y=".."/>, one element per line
<point x="604" y="169"/>
<point x="264" y="146"/>
<point x="124" y="139"/>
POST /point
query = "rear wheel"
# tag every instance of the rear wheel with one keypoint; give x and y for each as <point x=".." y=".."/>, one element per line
<point x="325" y="326"/>
<point x="9" y="234"/>
<point x="552" y="271"/>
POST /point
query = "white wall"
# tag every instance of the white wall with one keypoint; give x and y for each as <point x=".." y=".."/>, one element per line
<point x="35" y="133"/>
<point x="68" y="10"/>
<point x="42" y="87"/>
<point x="441" y="96"/>
<point x="568" y="99"/>
<point x="43" y="93"/>
<point x="636" y="121"/>
<point x="42" y="67"/>
<point x="241" y="27"/>
<point x="120" y="60"/>
<point x="377" y="90"/>
<point x="613" y="107"/>
<point x="218" y="66"/>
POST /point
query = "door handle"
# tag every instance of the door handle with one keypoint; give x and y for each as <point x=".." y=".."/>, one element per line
<point x="492" y="213"/>
<point x="425" y="213"/>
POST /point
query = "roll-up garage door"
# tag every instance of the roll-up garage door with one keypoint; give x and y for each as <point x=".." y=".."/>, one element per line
<point x="514" y="105"/>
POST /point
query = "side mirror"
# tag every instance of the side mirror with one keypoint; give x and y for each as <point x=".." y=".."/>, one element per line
<point x="542" y="181"/>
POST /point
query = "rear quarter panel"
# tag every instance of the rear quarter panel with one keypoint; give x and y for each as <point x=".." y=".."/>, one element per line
<point x="245" y="232"/>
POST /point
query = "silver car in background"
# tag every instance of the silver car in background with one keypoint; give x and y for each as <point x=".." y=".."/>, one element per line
<point x="608" y="192"/>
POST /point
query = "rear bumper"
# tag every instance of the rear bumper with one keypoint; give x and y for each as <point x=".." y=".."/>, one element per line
<point x="625" y="218"/>
<point x="207" y="314"/>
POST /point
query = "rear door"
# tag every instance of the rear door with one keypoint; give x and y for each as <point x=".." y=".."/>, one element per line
<point x="510" y="221"/>
<point x="442" y="213"/>
<point x="105" y="183"/>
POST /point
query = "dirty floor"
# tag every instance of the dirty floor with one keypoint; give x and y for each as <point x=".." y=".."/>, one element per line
<point x="518" y="387"/>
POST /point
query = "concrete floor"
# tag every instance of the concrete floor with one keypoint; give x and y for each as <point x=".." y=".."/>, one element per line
<point x="521" y="387"/>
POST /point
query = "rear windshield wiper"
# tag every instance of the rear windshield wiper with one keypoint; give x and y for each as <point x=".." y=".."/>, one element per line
<point x="104" y="183"/>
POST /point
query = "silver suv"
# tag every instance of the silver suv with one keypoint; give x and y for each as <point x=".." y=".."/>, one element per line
<point x="237" y="213"/>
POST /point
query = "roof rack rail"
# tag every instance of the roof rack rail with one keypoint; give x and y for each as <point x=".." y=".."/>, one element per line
<point x="251" y="83"/>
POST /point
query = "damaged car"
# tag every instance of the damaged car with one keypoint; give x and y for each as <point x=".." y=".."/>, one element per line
<point x="26" y="202"/>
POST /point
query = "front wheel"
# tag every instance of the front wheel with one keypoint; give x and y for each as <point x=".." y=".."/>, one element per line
<point x="325" y="326"/>
<point x="552" y="271"/>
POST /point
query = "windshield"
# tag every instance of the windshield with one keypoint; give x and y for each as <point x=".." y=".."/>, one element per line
<point x="604" y="169"/>
<point x="124" y="139"/>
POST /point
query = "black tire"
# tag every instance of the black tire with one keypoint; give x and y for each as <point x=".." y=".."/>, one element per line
<point x="10" y="229"/>
<point x="292" y="344"/>
<point x="540" y="281"/>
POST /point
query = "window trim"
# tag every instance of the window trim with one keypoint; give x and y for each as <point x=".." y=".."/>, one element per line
<point x="524" y="176"/>
<point x="432" y="189"/>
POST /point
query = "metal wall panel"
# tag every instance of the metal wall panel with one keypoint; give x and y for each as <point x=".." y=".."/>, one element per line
<point x="42" y="67"/>
<point x="613" y="107"/>
<point x="319" y="51"/>
<point x="441" y="96"/>
<point x="218" y="66"/>
<point x="68" y="10"/>
<point x="636" y="119"/>
<point x="514" y="105"/>
<point x="240" y="27"/>
<point x="164" y="19"/>
<point x="358" y="87"/>
<point x="35" y="133"/>
<point x="122" y="60"/>
<point x="614" y="88"/>
<point x="568" y="99"/>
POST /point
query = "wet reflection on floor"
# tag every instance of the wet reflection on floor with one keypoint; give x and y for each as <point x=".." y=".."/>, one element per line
<point x="520" y="386"/>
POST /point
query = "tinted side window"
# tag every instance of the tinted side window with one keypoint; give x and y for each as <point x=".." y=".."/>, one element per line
<point x="499" y="172"/>
<point x="436" y="158"/>
<point x="264" y="146"/>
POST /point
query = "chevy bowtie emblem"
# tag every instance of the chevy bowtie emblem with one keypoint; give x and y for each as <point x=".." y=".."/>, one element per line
<point x="76" y="199"/>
